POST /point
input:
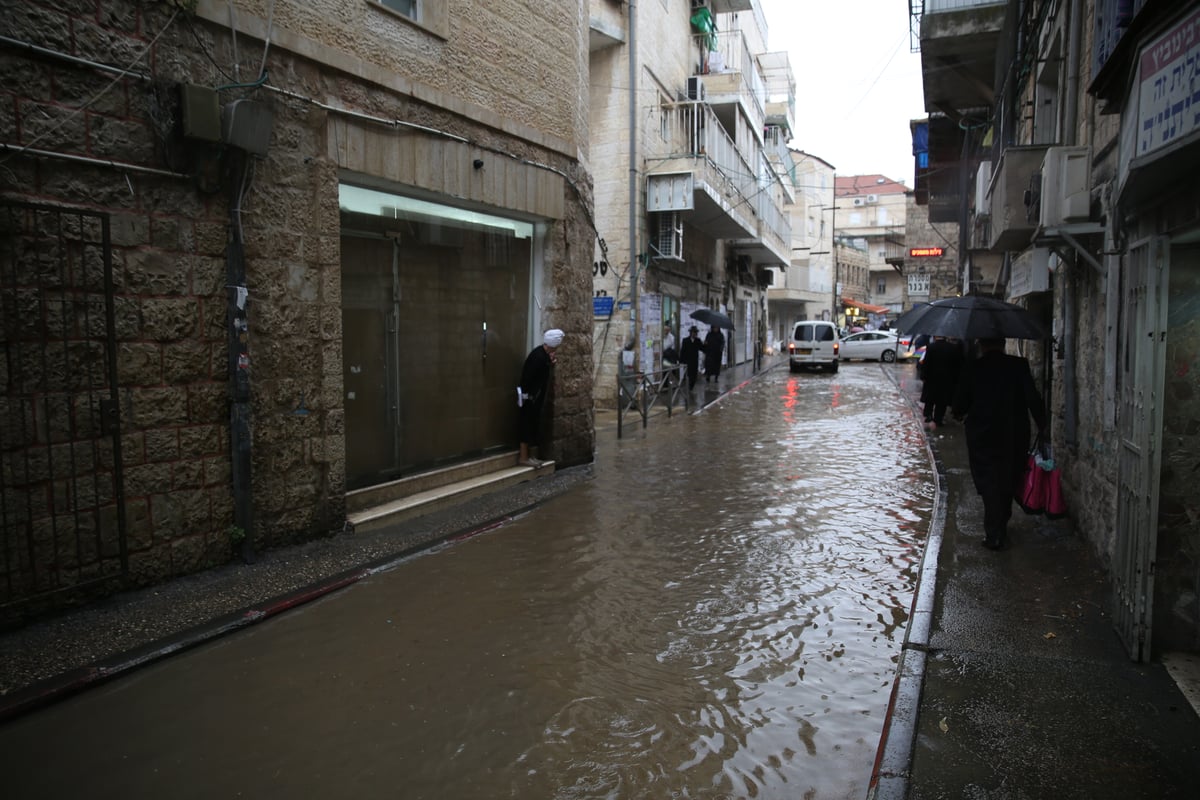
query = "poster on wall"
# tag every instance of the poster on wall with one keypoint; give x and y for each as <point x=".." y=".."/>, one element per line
<point x="748" y="331"/>
<point x="649" y="330"/>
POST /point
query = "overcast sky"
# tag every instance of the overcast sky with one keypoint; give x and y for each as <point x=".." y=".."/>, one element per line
<point x="857" y="84"/>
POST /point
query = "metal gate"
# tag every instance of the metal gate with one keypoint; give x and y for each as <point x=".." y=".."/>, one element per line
<point x="1141" y="359"/>
<point x="62" y="515"/>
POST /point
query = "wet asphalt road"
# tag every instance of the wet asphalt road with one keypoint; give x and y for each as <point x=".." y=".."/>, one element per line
<point x="717" y="613"/>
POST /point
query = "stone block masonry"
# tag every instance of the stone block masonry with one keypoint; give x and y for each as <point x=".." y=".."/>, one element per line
<point x="171" y="222"/>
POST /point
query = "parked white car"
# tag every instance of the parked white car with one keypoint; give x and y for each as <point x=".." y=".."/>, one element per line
<point x="871" y="346"/>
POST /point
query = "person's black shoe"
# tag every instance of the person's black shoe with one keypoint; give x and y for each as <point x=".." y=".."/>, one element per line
<point x="992" y="544"/>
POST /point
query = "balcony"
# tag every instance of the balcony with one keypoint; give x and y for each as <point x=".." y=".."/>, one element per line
<point x="772" y="244"/>
<point x="694" y="167"/>
<point x="733" y="82"/>
<point x="607" y="22"/>
<point x="959" y="42"/>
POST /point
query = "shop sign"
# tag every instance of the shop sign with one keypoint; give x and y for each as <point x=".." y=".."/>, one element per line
<point x="1167" y="72"/>
<point x="924" y="252"/>
<point x="918" y="285"/>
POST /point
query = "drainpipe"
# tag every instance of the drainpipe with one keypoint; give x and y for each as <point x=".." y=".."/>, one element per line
<point x="1070" y="300"/>
<point x="633" y="173"/>
<point x="240" y="439"/>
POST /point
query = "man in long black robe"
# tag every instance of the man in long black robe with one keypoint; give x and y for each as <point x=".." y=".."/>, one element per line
<point x="997" y="396"/>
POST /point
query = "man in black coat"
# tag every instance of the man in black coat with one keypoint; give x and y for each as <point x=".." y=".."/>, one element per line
<point x="689" y="355"/>
<point x="997" y="396"/>
<point x="714" y="351"/>
<point x="943" y="363"/>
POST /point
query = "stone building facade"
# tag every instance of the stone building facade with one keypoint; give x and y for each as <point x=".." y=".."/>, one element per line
<point x="334" y="231"/>
<point x="690" y="119"/>
<point x="1073" y="174"/>
<point x="931" y="262"/>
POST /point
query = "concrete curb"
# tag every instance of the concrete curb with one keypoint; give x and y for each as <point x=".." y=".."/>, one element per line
<point x="893" y="758"/>
<point x="74" y="681"/>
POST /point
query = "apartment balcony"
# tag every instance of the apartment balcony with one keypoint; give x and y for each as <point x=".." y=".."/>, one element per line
<point x="607" y="24"/>
<point x="780" y="106"/>
<point x="772" y="244"/>
<point x="959" y="42"/>
<point x="894" y="248"/>
<point x="732" y="83"/>
<point x="695" y="168"/>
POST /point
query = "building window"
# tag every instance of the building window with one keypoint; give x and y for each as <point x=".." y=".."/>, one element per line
<point x="881" y="287"/>
<point x="406" y="7"/>
<point x="429" y="15"/>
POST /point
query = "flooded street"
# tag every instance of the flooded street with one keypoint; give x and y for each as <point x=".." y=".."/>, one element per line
<point x="717" y="614"/>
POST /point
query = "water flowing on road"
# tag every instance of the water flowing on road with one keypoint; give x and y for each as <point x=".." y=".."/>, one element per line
<point x="717" y="614"/>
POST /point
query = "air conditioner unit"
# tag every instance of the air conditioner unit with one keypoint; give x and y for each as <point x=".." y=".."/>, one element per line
<point x="695" y="88"/>
<point x="872" y="198"/>
<point x="983" y="177"/>
<point x="669" y="239"/>
<point x="858" y="201"/>
<point x="1066" y="186"/>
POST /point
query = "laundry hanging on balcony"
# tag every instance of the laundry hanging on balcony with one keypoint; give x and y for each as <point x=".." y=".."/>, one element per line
<point x="704" y="22"/>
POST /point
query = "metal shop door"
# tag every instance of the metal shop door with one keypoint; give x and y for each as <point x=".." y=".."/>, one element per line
<point x="434" y="335"/>
<point x="62" y="514"/>
<point x="1141" y="359"/>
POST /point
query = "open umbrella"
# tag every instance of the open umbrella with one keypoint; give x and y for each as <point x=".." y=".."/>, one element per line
<point x="714" y="319"/>
<point x="971" y="317"/>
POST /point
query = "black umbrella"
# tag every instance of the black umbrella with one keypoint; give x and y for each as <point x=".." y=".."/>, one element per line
<point x="971" y="317"/>
<point x="714" y="319"/>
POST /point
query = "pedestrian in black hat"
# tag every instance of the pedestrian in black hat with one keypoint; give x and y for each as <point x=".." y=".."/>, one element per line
<point x="689" y="355"/>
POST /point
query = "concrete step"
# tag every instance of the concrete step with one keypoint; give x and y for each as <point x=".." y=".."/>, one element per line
<point x="376" y="507"/>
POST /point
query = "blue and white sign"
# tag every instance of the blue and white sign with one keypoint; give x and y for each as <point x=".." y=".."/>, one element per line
<point x="1169" y="86"/>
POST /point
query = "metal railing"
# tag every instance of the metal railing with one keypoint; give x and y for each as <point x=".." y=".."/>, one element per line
<point x="645" y="391"/>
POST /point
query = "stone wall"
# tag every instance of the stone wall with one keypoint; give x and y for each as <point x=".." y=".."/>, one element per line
<point x="172" y="221"/>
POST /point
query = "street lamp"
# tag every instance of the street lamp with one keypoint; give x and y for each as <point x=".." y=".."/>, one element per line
<point x="833" y="248"/>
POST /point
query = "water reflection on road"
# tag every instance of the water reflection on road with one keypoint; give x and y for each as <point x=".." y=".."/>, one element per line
<point x="717" y="614"/>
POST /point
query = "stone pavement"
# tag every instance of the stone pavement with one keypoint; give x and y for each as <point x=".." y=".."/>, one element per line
<point x="1013" y="682"/>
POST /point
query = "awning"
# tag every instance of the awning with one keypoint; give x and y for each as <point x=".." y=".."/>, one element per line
<point x="870" y="309"/>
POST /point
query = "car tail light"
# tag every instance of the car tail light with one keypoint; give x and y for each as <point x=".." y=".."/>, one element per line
<point x="791" y="347"/>
<point x="836" y="347"/>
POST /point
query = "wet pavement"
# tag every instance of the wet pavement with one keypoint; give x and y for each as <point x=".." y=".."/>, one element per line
<point x="1015" y="685"/>
<point x="714" y="609"/>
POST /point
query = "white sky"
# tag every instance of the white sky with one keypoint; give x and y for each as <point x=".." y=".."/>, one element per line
<point x="857" y="84"/>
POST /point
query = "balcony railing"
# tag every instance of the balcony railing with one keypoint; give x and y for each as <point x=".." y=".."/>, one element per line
<point x="731" y="57"/>
<point x="690" y="129"/>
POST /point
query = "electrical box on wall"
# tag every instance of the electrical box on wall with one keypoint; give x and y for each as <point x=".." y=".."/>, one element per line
<point x="246" y="124"/>
<point x="201" y="112"/>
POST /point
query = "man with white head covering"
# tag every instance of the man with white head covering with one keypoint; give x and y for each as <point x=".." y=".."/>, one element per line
<point x="531" y="394"/>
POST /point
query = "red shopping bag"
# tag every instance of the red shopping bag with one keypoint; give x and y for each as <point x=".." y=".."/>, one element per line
<point x="1031" y="491"/>
<point x="1056" y="507"/>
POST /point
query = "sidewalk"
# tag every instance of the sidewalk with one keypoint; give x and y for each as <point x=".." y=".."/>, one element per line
<point x="1013" y="682"/>
<point x="71" y="651"/>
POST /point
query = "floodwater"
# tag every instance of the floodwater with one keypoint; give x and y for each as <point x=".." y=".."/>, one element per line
<point x="717" y="614"/>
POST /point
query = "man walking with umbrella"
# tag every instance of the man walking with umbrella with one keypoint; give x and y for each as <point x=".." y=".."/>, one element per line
<point x="714" y="351"/>
<point x="997" y="396"/>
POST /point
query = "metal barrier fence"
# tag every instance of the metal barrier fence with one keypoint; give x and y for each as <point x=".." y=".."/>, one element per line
<point x="643" y="392"/>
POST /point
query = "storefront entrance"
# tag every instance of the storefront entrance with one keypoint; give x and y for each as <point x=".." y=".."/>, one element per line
<point x="435" y="326"/>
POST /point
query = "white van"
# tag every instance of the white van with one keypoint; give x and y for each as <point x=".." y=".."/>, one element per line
<point x="814" y="343"/>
